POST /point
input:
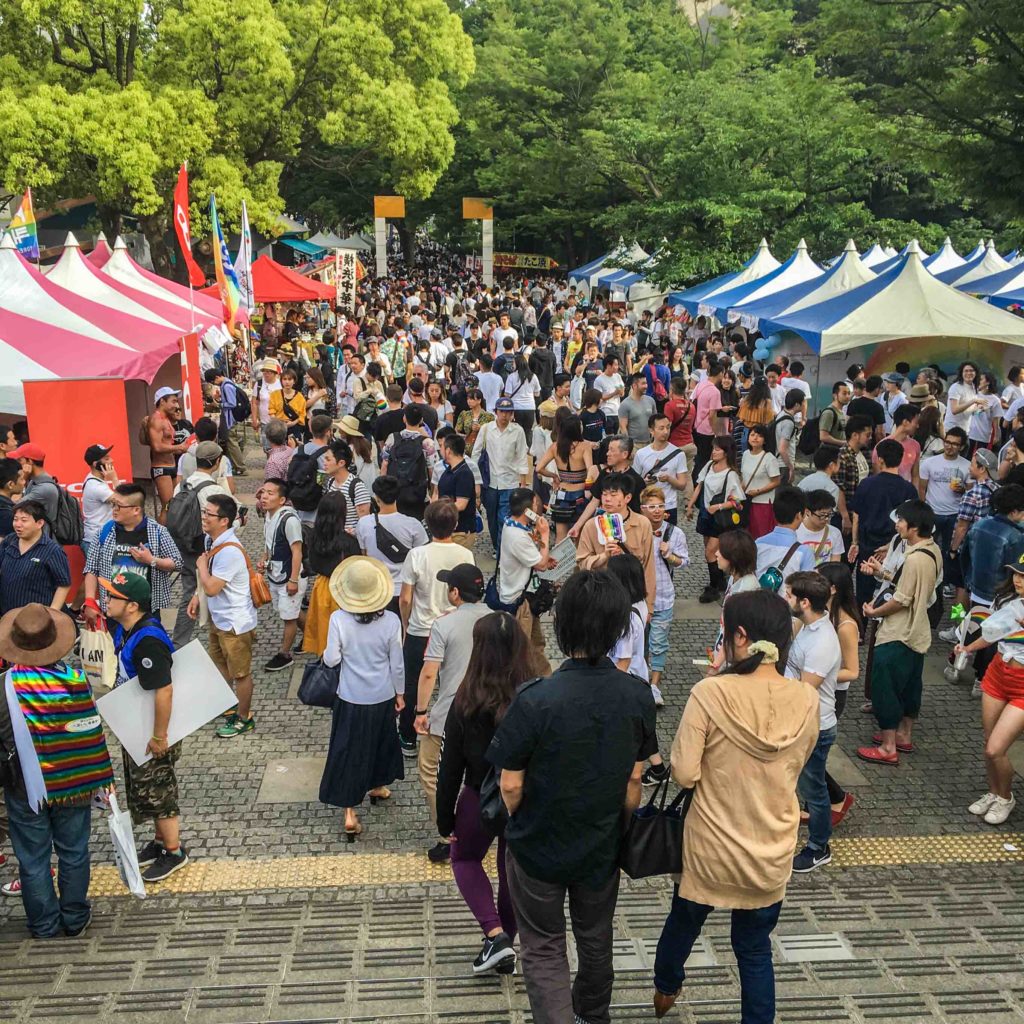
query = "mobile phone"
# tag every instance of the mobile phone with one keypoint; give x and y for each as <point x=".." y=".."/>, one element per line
<point x="531" y="515"/>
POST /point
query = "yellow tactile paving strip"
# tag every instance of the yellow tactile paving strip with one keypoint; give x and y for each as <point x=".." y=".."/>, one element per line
<point x="375" y="869"/>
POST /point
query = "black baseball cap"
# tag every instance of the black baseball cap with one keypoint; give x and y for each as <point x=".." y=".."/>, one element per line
<point x="466" y="578"/>
<point x="95" y="452"/>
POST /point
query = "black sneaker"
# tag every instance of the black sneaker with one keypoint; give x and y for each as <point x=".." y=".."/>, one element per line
<point x="165" y="865"/>
<point x="82" y="930"/>
<point x="440" y="853"/>
<point x="297" y="649"/>
<point x="808" y="859"/>
<point x="494" y="952"/>
<point x="149" y="853"/>
<point x="408" y="747"/>
<point x="655" y="773"/>
<point x="279" y="662"/>
<point x="709" y="595"/>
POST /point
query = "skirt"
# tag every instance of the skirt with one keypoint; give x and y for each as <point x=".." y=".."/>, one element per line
<point x="363" y="753"/>
<point x="762" y="519"/>
<point x="318" y="617"/>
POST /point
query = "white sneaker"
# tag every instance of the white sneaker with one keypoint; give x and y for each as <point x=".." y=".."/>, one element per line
<point x="976" y="689"/>
<point x="951" y="635"/>
<point x="1000" y="810"/>
<point x="659" y="701"/>
<point x="982" y="804"/>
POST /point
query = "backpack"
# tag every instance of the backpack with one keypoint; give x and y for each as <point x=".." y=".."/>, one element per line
<point x="243" y="407"/>
<point x="771" y="443"/>
<point x="68" y="526"/>
<point x="810" y="437"/>
<point x="366" y="409"/>
<point x="144" y="431"/>
<point x="658" y="390"/>
<point x="184" y="519"/>
<point x="408" y="465"/>
<point x="304" y="490"/>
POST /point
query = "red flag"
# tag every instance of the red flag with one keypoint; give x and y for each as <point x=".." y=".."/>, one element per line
<point x="181" y="227"/>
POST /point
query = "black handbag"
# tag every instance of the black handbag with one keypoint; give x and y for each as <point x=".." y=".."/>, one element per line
<point x="725" y="518"/>
<point x="493" y="812"/>
<point x="319" y="684"/>
<point x="653" y="842"/>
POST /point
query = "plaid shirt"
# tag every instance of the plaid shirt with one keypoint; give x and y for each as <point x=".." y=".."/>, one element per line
<point x="277" y="462"/>
<point x="974" y="505"/>
<point x="158" y="540"/>
<point x="848" y="474"/>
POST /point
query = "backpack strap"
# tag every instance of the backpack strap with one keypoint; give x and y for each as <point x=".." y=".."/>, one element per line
<point x="108" y="529"/>
<point x="789" y="554"/>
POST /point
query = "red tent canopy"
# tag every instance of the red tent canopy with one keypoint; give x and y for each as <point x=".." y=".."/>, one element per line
<point x="273" y="283"/>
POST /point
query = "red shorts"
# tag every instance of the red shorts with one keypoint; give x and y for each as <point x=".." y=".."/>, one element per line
<point x="1004" y="680"/>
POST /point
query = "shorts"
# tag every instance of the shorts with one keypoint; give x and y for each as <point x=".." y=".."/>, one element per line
<point x="1004" y="680"/>
<point x="231" y="652"/>
<point x="158" y="471"/>
<point x="152" y="787"/>
<point x="568" y="506"/>
<point x="288" y="606"/>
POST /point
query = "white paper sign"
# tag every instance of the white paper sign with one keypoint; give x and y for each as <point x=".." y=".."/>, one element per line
<point x="564" y="554"/>
<point x="200" y="695"/>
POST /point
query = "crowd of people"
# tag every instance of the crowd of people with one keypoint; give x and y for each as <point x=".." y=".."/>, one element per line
<point x="440" y="420"/>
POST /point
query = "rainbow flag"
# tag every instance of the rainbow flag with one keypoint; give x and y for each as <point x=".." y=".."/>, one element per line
<point x="227" y="280"/>
<point x="23" y="228"/>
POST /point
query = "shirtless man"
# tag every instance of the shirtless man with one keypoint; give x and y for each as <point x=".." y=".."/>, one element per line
<point x="163" y="452"/>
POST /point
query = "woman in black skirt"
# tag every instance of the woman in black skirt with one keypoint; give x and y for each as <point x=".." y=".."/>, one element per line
<point x="365" y="640"/>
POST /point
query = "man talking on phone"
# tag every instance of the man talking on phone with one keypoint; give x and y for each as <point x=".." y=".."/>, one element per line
<point x="97" y="493"/>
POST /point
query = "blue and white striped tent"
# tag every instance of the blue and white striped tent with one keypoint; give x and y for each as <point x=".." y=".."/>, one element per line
<point x="699" y="300"/>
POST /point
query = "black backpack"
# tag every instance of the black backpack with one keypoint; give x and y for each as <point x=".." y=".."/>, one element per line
<point x="185" y="521"/>
<point x="810" y="437"/>
<point x="771" y="443"/>
<point x="304" y="489"/>
<point x="407" y="463"/>
<point x="243" y="407"/>
<point x="68" y="525"/>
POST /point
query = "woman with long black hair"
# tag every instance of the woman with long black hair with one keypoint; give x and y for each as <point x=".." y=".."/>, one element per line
<point x="523" y="387"/>
<point x="501" y="661"/>
<point x="742" y="742"/>
<point x="329" y="545"/>
<point x="574" y="470"/>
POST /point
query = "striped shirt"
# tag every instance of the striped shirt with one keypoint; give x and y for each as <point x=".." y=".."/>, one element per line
<point x="32" y="576"/>
<point x="974" y="505"/>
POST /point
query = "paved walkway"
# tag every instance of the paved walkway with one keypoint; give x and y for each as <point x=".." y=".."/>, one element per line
<point x="277" y="918"/>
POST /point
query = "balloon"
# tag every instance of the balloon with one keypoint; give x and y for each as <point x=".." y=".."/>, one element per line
<point x="772" y="341"/>
<point x="761" y="354"/>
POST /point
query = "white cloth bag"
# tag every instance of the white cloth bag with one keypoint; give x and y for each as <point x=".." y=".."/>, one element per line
<point x="125" y="856"/>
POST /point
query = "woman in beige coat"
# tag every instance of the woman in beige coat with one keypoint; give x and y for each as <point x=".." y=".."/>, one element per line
<point x="743" y="740"/>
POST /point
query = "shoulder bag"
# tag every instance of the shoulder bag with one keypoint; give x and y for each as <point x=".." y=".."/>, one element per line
<point x="653" y="841"/>
<point x="319" y="684"/>
<point x="725" y="518"/>
<point x="259" y="590"/>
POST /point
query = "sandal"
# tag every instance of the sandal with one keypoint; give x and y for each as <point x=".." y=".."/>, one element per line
<point x="903" y="748"/>
<point x="876" y="756"/>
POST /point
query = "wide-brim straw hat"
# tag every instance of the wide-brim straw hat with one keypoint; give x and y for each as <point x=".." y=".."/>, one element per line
<point x="361" y="584"/>
<point x="36" y="635"/>
<point x="349" y="425"/>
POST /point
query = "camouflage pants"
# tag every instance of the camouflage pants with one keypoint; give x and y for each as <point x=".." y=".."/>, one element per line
<point x="152" y="787"/>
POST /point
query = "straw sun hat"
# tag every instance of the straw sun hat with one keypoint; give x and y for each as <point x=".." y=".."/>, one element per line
<point x="361" y="585"/>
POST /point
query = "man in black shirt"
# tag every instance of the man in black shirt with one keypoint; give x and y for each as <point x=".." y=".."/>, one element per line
<point x="864" y="403"/>
<point x="458" y="484"/>
<point x="542" y="363"/>
<point x="390" y="422"/>
<point x="571" y="750"/>
<point x="144" y="651"/>
<point x="10" y="485"/>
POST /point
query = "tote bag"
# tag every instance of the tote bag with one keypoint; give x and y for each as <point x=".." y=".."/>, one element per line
<point x="653" y="842"/>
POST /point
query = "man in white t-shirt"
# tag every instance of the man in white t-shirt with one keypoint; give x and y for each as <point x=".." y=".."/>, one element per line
<point x="224" y="577"/>
<point x="97" y="493"/>
<point x="612" y="388"/>
<point x="892" y="397"/>
<point x="396" y="527"/>
<point x="816" y="534"/>
<point x="664" y="464"/>
<point x="501" y="332"/>
<point x="944" y="478"/>
<point x="422" y="599"/>
<point x="815" y="657"/>
<point x="282" y="537"/>
<point x="795" y="381"/>
<point x="489" y="382"/>
<point x="270" y="370"/>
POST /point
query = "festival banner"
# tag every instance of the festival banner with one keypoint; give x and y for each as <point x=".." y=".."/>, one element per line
<point x="22" y="229"/>
<point x="346" y="264"/>
<point x="522" y="261"/>
<point x="191" y="377"/>
<point x="243" y="264"/>
<point x="183" y="229"/>
<point x="227" y="281"/>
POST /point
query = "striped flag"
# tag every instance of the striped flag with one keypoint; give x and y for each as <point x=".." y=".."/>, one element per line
<point x="23" y="228"/>
<point x="227" y="280"/>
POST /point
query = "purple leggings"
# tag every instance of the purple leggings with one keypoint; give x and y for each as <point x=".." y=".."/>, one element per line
<point x="468" y="851"/>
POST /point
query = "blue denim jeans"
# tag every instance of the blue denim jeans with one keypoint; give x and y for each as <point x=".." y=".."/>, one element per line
<point x="813" y="790"/>
<point x="495" y="503"/>
<point x="751" y="942"/>
<point x="35" y="837"/>
<point x="661" y="623"/>
<point x="942" y="534"/>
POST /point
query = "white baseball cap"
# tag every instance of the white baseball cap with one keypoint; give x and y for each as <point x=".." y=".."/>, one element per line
<point x="163" y="393"/>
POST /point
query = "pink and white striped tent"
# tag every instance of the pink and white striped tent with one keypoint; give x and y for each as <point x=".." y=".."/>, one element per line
<point x="51" y="332"/>
<point x="101" y="251"/>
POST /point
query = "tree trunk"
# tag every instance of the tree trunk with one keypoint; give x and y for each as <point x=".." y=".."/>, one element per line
<point x="110" y="222"/>
<point x="407" y="233"/>
<point x="155" y="230"/>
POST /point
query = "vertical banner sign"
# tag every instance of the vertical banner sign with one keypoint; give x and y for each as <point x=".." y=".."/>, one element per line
<point x="243" y="265"/>
<point x="345" y="284"/>
<point x="191" y="377"/>
<point x="22" y="229"/>
<point x="385" y="208"/>
<point x="183" y="229"/>
<point x="481" y="210"/>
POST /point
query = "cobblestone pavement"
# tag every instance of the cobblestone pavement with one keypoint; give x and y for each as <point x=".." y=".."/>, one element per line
<point x="315" y="942"/>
